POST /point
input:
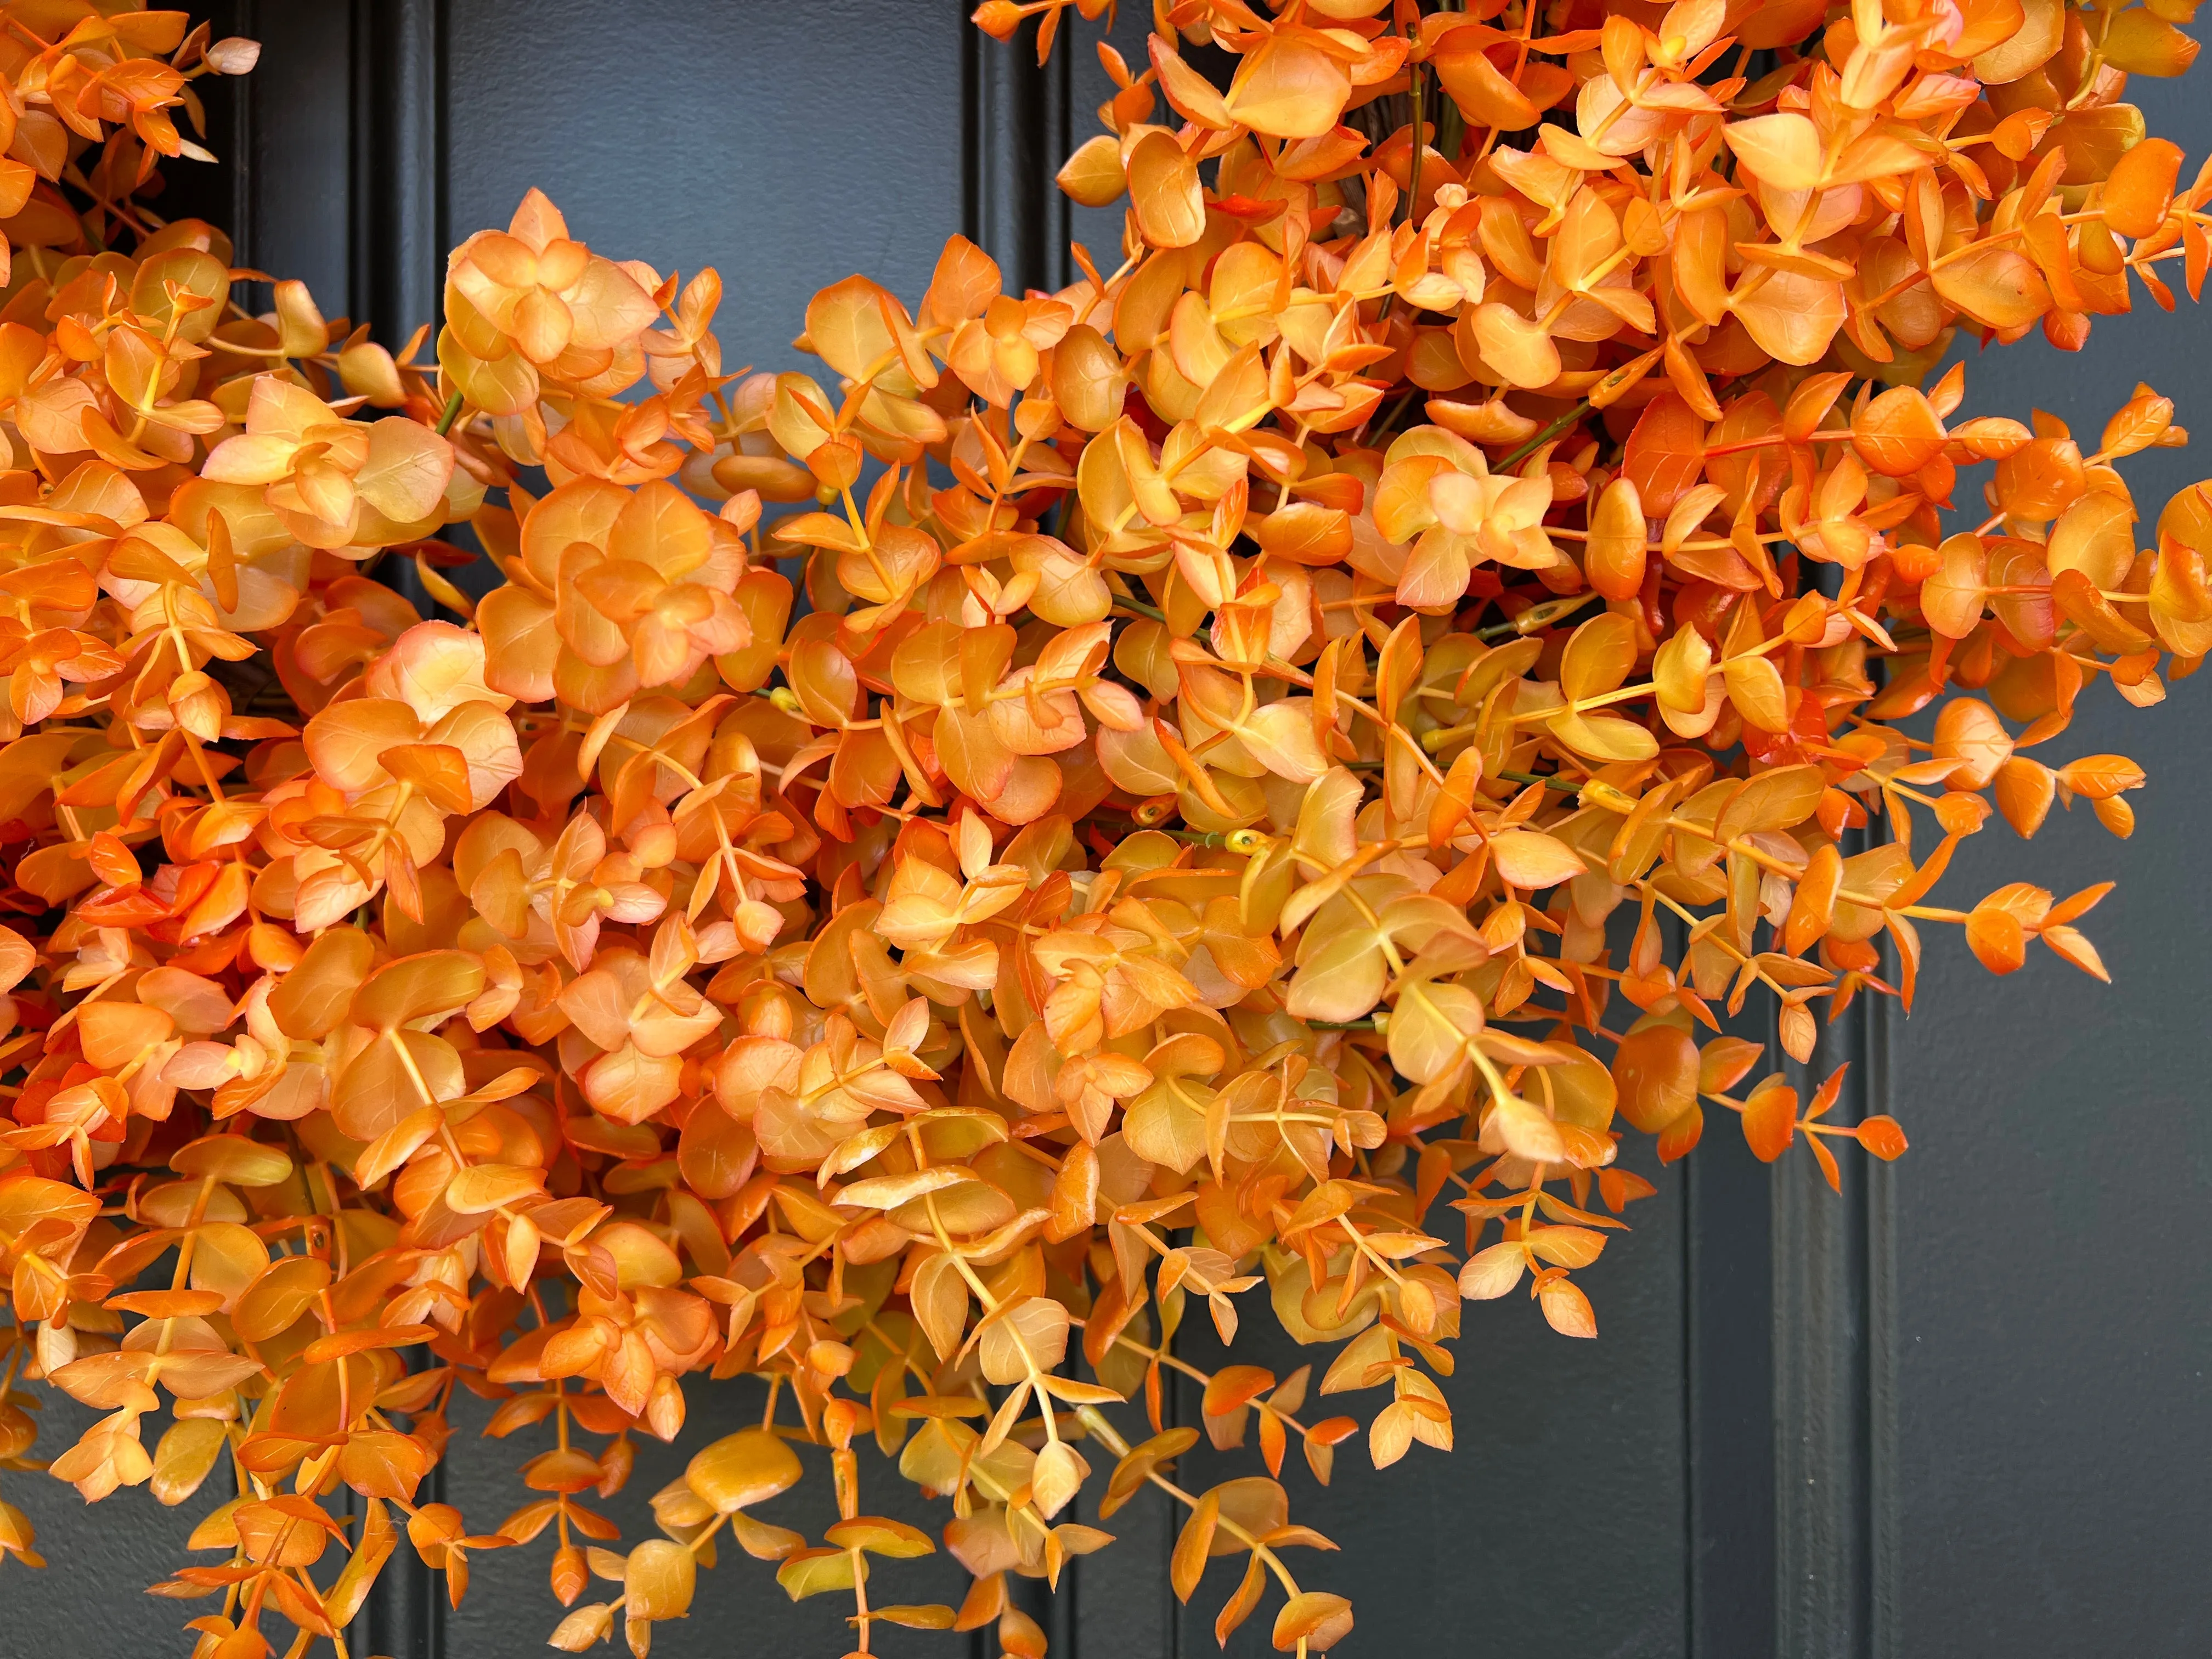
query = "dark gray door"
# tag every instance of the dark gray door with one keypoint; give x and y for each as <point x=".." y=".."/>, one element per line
<point x="1960" y="1410"/>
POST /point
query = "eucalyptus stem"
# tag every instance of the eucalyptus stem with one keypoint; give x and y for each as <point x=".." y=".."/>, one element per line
<point x="1546" y="435"/>
<point x="1550" y="782"/>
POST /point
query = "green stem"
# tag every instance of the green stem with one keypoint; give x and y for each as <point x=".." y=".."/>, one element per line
<point x="1559" y="784"/>
<point x="1413" y="173"/>
<point x="1541" y="614"/>
<point x="452" y="412"/>
<point x="1545" y="436"/>
<point x="1382" y="428"/>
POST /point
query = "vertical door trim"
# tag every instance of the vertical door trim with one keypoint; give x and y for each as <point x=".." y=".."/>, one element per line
<point x="1015" y="123"/>
<point x="1729" y="1398"/>
<point x="398" y="233"/>
<point x="1835" y="1380"/>
<point x="235" y="149"/>
<point x="399" y="225"/>
<point x="1014" y="126"/>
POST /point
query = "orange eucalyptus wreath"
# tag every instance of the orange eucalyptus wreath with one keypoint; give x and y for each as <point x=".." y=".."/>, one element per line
<point x="1325" y="717"/>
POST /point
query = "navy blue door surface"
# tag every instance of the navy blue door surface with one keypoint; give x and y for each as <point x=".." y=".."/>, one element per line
<point x="1960" y="1410"/>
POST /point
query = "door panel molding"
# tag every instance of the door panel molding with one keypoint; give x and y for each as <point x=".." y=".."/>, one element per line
<point x="1835" y="1373"/>
<point x="399" y="230"/>
<point x="1015" y="126"/>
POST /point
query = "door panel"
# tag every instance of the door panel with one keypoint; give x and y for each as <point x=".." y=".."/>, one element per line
<point x="748" y="136"/>
<point x="2054" y="1270"/>
<point x="509" y="1610"/>
<point x="1555" y="1524"/>
<point x="99" y="1558"/>
<point x="2054" y="1251"/>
